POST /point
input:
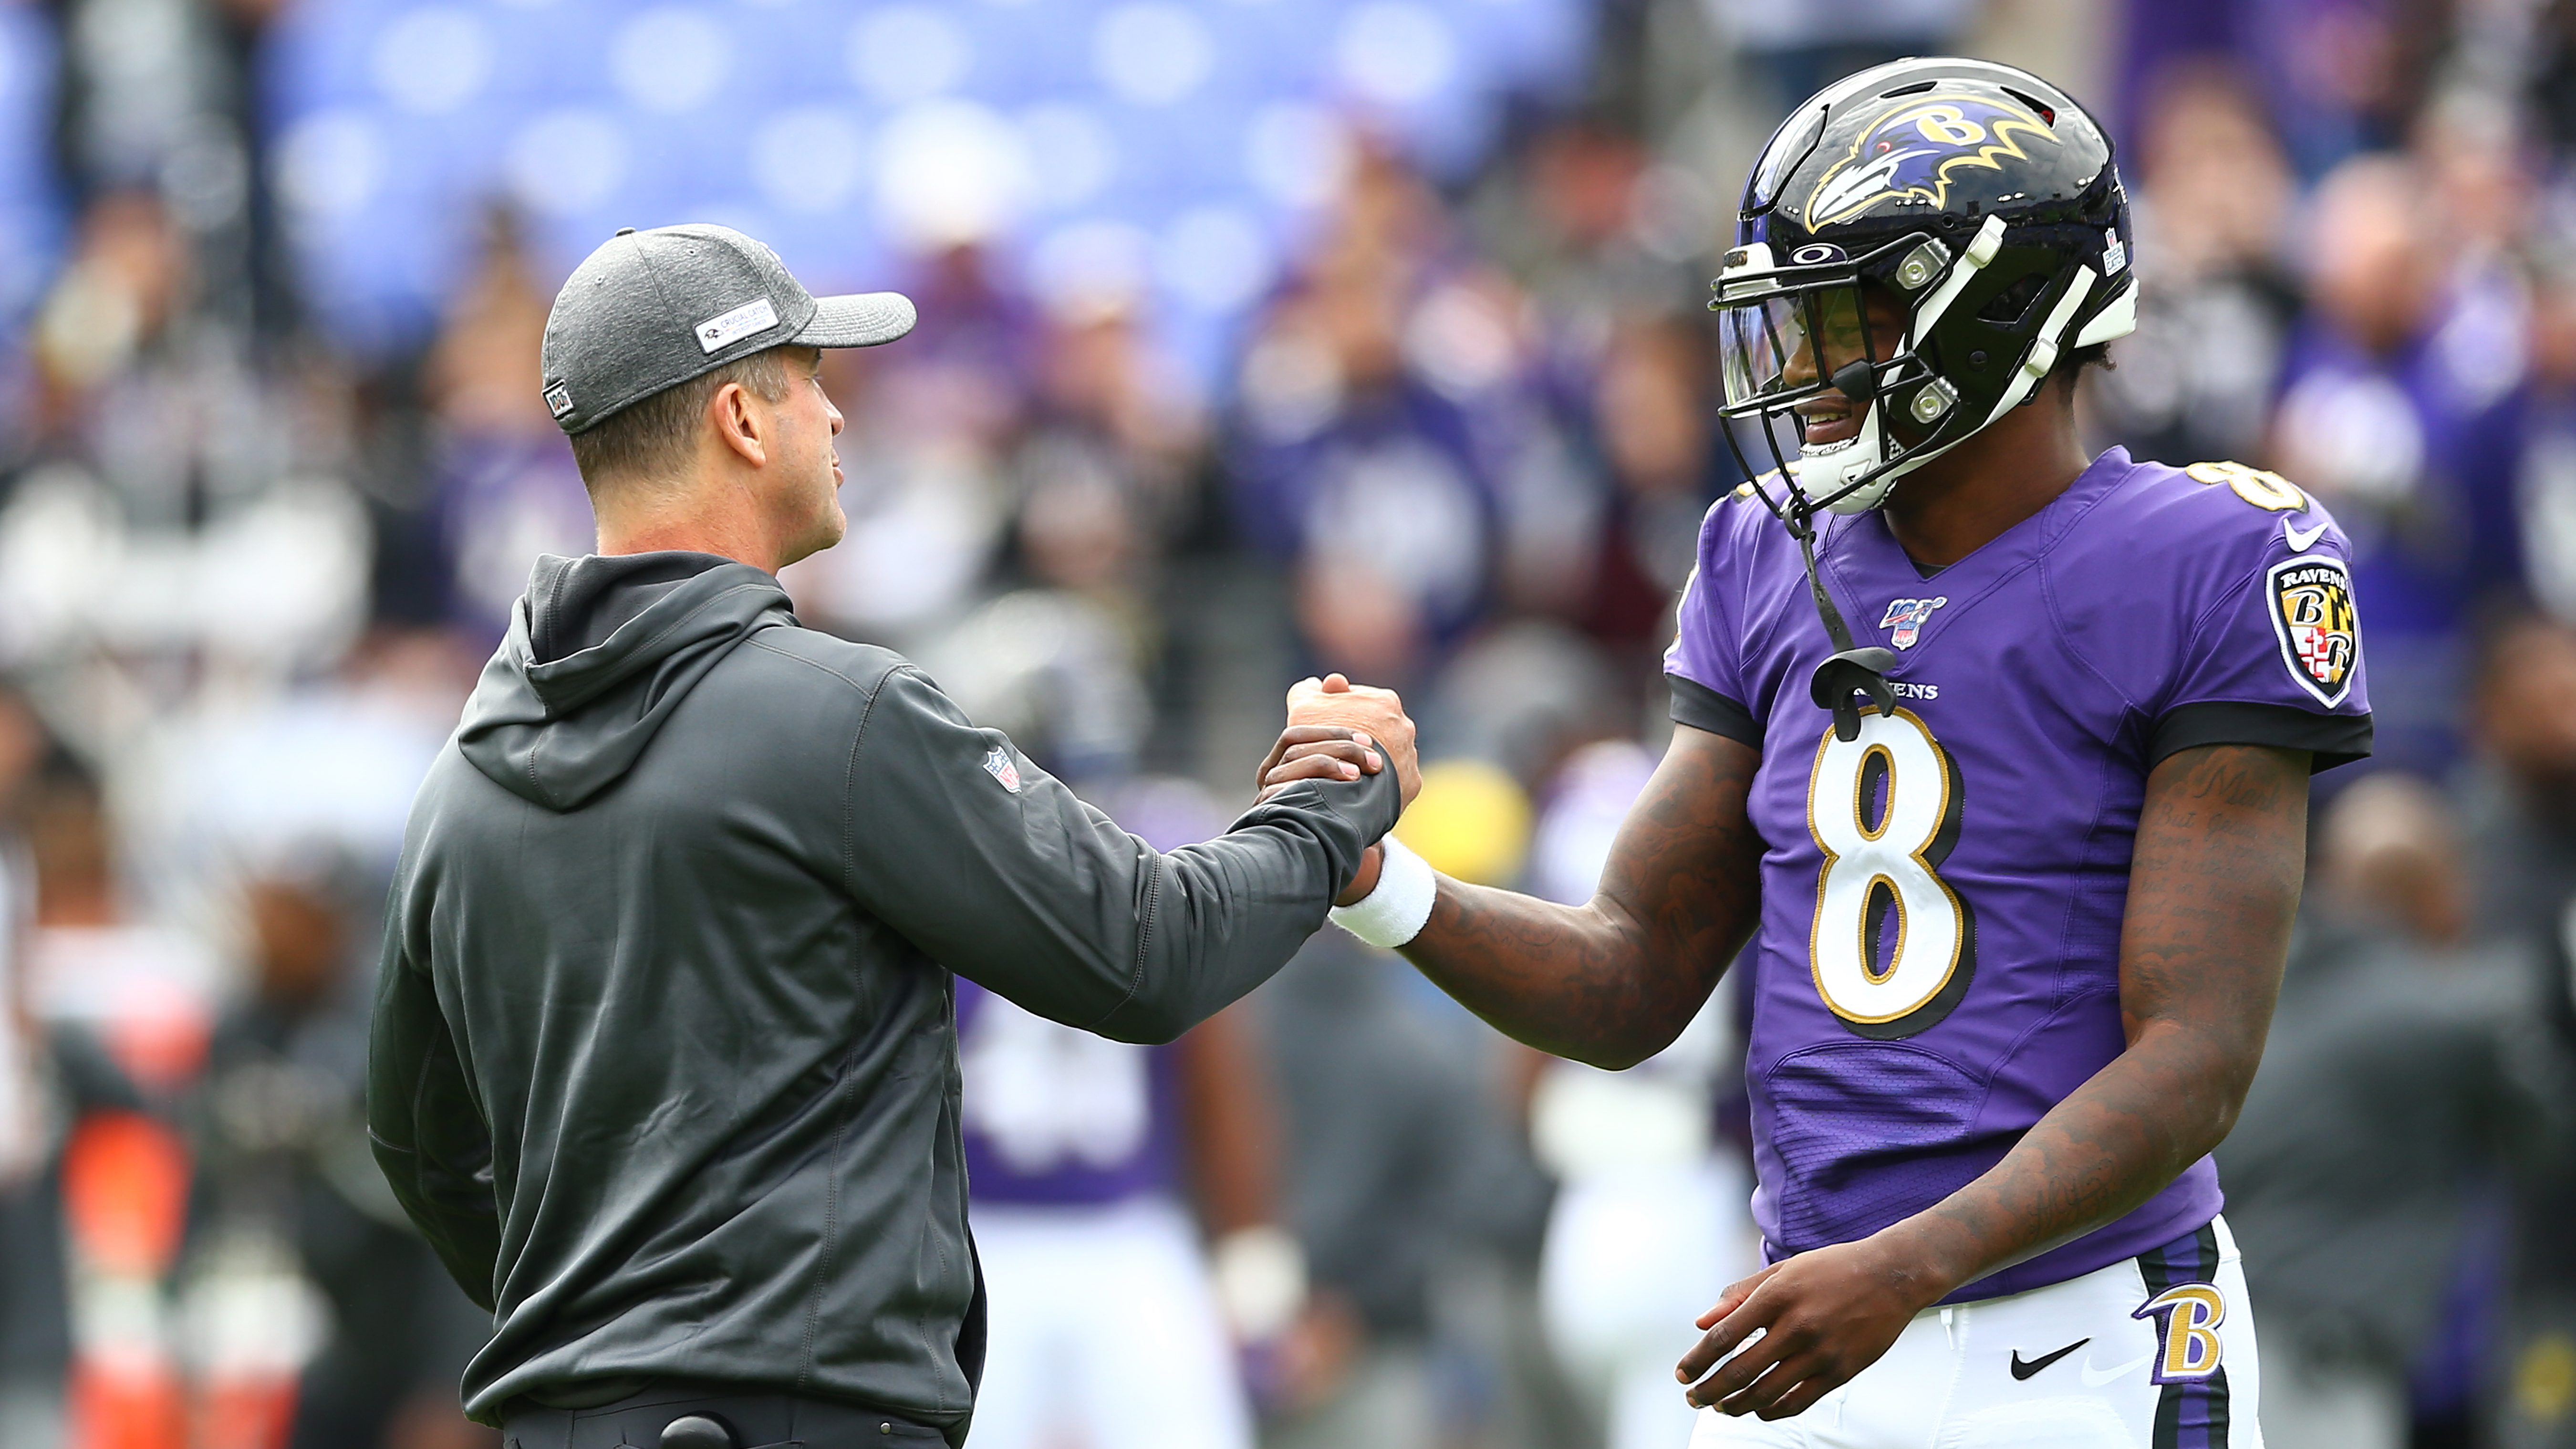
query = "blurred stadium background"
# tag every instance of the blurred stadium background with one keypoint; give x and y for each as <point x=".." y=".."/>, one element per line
<point x="1232" y="309"/>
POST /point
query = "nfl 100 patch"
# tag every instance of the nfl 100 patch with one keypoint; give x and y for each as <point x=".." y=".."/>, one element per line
<point x="1906" y="617"/>
<point x="997" y="763"/>
<point x="2320" y="632"/>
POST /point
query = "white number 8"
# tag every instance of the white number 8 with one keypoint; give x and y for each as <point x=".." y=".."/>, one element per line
<point x="1875" y="871"/>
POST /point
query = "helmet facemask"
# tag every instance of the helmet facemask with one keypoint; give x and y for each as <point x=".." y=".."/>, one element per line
<point x="1788" y="334"/>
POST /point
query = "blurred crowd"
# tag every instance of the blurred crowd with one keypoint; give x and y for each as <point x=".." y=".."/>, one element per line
<point x="1461" y="448"/>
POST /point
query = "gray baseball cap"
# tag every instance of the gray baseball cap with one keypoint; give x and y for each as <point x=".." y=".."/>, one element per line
<point x="652" y="309"/>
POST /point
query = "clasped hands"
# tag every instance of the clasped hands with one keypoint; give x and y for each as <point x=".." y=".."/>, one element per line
<point x="1338" y="730"/>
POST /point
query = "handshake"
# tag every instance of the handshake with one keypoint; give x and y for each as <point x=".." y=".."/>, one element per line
<point x="1338" y="730"/>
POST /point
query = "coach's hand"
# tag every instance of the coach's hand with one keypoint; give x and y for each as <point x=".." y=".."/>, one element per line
<point x="1378" y="713"/>
<point x="1823" y="1317"/>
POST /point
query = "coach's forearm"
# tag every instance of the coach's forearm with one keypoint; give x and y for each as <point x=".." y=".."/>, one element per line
<point x="1219" y="918"/>
<point x="996" y="870"/>
<point x="428" y="1136"/>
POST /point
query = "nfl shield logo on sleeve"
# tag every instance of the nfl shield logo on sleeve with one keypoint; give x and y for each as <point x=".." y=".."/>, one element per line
<point x="1907" y="617"/>
<point x="998" y="765"/>
<point x="2320" y="633"/>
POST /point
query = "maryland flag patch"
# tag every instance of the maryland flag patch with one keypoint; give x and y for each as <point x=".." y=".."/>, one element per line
<point x="2320" y="634"/>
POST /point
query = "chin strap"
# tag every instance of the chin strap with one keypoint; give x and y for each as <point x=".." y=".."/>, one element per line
<point x="1842" y="680"/>
<point x="1851" y="673"/>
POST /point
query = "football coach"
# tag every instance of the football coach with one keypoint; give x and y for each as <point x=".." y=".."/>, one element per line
<point x="664" y="1056"/>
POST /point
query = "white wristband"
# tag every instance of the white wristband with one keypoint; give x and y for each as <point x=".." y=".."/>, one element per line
<point x="1395" y="909"/>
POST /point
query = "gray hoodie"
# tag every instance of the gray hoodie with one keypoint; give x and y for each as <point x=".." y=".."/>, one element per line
<point x="664" y="1058"/>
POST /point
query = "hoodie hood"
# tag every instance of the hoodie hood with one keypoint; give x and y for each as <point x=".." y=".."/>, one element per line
<point x="600" y="651"/>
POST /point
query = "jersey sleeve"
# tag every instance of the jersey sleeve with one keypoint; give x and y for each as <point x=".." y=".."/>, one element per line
<point x="1703" y="664"/>
<point x="2275" y="658"/>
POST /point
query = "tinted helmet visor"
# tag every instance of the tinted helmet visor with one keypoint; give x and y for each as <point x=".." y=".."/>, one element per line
<point x="1784" y="345"/>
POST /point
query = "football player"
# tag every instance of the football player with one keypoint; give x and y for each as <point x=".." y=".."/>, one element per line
<point x="1081" y="1153"/>
<point x="1998" y="756"/>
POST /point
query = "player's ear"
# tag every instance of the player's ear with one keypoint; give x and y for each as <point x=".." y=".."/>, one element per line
<point x="2059" y="389"/>
<point x="2070" y="382"/>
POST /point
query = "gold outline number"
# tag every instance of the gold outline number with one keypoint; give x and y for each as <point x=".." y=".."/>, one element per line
<point x="2254" y="485"/>
<point x="1902" y="852"/>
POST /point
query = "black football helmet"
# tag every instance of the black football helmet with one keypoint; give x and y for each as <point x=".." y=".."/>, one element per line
<point x="1985" y="204"/>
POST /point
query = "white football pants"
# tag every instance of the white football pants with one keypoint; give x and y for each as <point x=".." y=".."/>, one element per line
<point x="2153" y="1352"/>
<point x="1104" y="1333"/>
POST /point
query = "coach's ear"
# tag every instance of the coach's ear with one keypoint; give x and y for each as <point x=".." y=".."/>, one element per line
<point x="742" y="422"/>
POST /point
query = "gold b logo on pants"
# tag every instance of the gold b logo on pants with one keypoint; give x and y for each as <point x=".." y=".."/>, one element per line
<point x="2187" y="1319"/>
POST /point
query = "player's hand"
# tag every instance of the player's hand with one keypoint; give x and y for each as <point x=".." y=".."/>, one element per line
<point x="1334" y="700"/>
<point x="1822" y="1316"/>
<point x="1287" y="762"/>
<point x="1317" y="752"/>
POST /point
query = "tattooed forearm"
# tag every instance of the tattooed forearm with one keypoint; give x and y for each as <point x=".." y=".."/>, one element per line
<point x="2212" y="887"/>
<point x="1614" y="981"/>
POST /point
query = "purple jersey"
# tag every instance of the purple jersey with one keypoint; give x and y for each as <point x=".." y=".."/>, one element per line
<point x="1054" y="1115"/>
<point x="1938" y="958"/>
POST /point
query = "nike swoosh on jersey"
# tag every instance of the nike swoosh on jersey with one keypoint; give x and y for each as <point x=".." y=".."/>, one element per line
<point x="2022" y="1370"/>
<point x="2094" y="1378"/>
<point x="2301" y="542"/>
